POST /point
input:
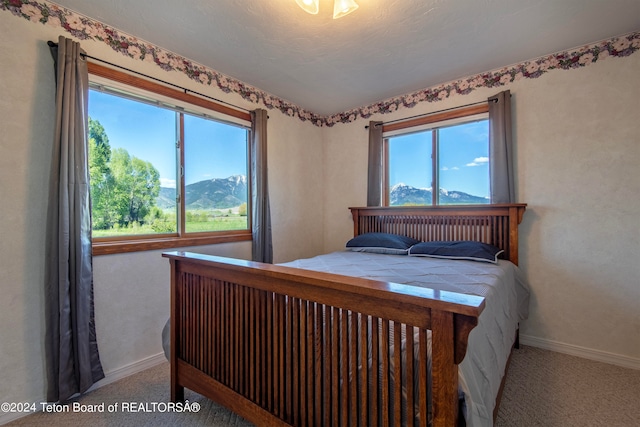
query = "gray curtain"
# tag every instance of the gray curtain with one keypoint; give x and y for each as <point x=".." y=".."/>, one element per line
<point x="374" y="177"/>
<point x="262" y="249"/>
<point x="71" y="349"/>
<point x="501" y="149"/>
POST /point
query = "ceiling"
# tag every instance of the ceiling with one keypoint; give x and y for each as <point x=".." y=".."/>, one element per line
<point x="385" y="48"/>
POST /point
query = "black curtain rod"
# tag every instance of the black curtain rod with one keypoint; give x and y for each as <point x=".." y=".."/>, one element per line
<point x="54" y="44"/>
<point x="431" y="113"/>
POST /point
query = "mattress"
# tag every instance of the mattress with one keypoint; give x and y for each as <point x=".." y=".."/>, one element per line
<point x="506" y="296"/>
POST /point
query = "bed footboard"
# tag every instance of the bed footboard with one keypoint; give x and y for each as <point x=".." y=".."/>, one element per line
<point x="283" y="346"/>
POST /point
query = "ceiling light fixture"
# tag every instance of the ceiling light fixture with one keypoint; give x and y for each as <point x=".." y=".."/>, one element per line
<point x="340" y="7"/>
<point x="343" y="7"/>
<point x="309" y="6"/>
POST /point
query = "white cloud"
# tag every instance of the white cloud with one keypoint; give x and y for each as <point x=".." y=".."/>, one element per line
<point x="445" y="168"/>
<point x="479" y="161"/>
<point x="167" y="183"/>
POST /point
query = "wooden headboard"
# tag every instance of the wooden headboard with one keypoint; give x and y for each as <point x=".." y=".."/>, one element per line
<point x="494" y="224"/>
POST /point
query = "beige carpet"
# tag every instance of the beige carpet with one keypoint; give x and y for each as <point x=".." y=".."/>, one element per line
<point x="543" y="388"/>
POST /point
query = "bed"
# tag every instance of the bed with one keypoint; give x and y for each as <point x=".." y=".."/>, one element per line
<point x="300" y="344"/>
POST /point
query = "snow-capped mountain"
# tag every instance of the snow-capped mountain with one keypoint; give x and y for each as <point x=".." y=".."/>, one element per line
<point x="216" y="193"/>
<point x="402" y="194"/>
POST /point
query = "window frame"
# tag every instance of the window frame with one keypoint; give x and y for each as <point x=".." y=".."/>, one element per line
<point x="216" y="111"/>
<point x="423" y="123"/>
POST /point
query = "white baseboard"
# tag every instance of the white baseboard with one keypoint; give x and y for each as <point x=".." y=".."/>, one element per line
<point x="109" y="377"/>
<point x="125" y="371"/>
<point x="585" y="353"/>
<point x="7" y="417"/>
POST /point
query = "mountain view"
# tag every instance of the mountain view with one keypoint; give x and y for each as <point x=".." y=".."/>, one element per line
<point x="402" y="194"/>
<point x="223" y="193"/>
<point x="217" y="193"/>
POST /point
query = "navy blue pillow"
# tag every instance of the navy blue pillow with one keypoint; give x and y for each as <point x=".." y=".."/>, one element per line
<point x="381" y="243"/>
<point x="461" y="249"/>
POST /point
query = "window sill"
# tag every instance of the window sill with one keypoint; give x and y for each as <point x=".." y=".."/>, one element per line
<point x="108" y="247"/>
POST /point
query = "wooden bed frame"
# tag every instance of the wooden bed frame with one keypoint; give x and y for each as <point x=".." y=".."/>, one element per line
<point x="274" y="345"/>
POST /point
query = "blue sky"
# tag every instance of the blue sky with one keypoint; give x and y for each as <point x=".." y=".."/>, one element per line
<point x="213" y="149"/>
<point x="464" y="162"/>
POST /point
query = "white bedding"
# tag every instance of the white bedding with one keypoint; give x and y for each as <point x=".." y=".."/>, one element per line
<point x="506" y="303"/>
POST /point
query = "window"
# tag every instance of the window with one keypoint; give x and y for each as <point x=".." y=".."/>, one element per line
<point x="451" y="155"/>
<point x="164" y="172"/>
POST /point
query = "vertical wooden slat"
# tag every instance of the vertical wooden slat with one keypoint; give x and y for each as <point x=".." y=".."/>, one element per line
<point x="397" y="366"/>
<point x="327" y="366"/>
<point x="251" y="350"/>
<point x="235" y="336"/>
<point x="270" y="351"/>
<point x="409" y="385"/>
<point x="353" y="392"/>
<point x="227" y="332"/>
<point x="512" y="225"/>
<point x="176" y="392"/>
<point x="191" y="329"/>
<point x="282" y="350"/>
<point x="249" y="339"/>
<point x="344" y="365"/>
<point x="295" y="355"/>
<point x="266" y="348"/>
<point x="288" y="375"/>
<point x="223" y="325"/>
<point x="318" y="364"/>
<point x="364" y="362"/>
<point x="258" y="334"/>
<point x="303" y="363"/>
<point x="220" y="331"/>
<point x="199" y="329"/>
<point x="276" y="357"/>
<point x="310" y="365"/>
<point x="204" y="283"/>
<point x="246" y="342"/>
<point x="422" y="377"/>
<point x="375" y="352"/>
<point x="206" y="333"/>
<point x="335" y="367"/>
<point x="384" y="404"/>
<point x="186" y="302"/>
<point x="257" y="341"/>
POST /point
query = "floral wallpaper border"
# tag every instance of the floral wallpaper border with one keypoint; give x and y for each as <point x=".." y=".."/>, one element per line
<point x="84" y="28"/>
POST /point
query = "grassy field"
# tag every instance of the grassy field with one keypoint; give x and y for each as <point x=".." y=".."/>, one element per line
<point x="216" y="224"/>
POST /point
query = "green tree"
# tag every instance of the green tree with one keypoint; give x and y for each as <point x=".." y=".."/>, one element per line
<point x="104" y="215"/>
<point x="124" y="189"/>
<point x="137" y="185"/>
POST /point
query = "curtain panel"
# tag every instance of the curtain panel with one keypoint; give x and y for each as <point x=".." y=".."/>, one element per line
<point x="71" y="349"/>
<point x="501" y="149"/>
<point x="262" y="249"/>
<point x="374" y="176"/>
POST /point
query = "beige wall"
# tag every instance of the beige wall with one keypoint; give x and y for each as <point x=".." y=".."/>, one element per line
<point x="578" y="151"/>
<point x="578" y="157"/>
<point x="577" y="136"/>
<point x="131" y="290"/>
